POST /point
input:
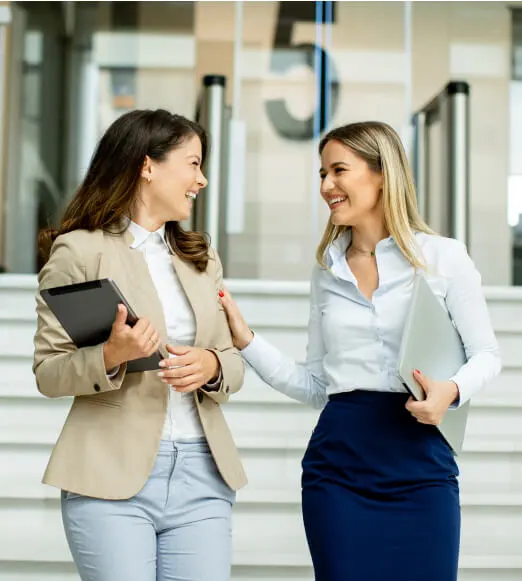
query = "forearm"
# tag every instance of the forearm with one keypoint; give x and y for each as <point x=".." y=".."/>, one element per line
<point x="80" y="372"/>
<point x="476" y="373"/>
<point x="293" y="379"/>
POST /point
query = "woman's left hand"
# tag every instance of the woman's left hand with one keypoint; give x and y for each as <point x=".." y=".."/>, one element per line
<point x="439" y="396"/>
<point x="190" y="369"/>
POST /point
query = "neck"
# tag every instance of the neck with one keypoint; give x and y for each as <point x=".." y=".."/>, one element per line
<point x="146" y="219"/>
<point x="366" y="236"/>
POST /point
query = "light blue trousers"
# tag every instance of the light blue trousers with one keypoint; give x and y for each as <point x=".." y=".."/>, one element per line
<point x="177" y="528"/>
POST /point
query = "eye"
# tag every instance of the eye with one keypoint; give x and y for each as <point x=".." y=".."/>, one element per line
<point x="339" y="170"/>
<point x="322" y="176"/>
<point x="195" y="163"/>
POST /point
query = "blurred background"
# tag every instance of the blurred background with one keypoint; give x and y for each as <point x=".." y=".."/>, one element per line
<point x="70" y="68"/>
<point x="267" y="79"/>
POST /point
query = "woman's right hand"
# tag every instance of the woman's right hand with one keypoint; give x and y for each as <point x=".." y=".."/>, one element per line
<point x="127" y="343"/>
<point x="241" y="333"/>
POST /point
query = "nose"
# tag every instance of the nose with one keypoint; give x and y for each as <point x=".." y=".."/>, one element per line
<point x="327" y="185"/>
<point x="202" y="180"/>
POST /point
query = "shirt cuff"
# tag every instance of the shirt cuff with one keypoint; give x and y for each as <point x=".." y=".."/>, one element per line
<point x="214" y="386"/>
<point x="458" y="400"/>
<point x="112" y="373"/>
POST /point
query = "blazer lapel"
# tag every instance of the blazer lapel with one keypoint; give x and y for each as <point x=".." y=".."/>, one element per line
<point x="129" y="270"/>
<point x="193" y="284"/>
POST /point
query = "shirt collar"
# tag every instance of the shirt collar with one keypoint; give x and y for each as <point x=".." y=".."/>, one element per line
<point x="140" y="234"/>
<point x="336" y="253"/>
<point x="339" y="246"/>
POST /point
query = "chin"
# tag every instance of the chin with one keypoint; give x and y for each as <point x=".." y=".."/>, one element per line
<point x="183" y="217"/>
<point x="180" y="215"/>
<point x="340" y="219"/>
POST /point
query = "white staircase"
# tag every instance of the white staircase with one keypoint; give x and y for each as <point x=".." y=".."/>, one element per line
<point x="271" y="432"/>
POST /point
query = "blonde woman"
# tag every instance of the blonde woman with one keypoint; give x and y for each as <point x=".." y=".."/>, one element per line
<point x="379" y="487"/>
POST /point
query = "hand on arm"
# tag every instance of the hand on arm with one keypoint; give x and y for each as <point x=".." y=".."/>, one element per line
<point x="304" y="382"/>
<point x="241" y="333"/>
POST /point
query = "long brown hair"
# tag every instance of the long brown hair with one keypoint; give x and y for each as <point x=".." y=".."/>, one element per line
<point x="381" y="148"/>
<point x="108" y="192"/>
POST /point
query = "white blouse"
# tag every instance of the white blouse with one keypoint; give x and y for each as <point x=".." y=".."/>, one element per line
<point x="354" y="343"/>
<point x="182" y="419"/>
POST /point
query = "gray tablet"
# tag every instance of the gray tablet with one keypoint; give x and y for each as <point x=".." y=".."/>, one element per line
<point x="87" y="310"/>
<point x="431" y="343"/>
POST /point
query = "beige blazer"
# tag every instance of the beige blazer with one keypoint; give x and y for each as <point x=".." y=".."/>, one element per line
<point x="109" y="442"/>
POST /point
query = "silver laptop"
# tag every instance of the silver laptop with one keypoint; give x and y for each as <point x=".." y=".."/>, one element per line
<point x="431" y="343"/>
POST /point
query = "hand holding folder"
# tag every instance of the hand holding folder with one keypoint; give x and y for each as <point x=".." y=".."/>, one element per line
<point x="129" y="343"/>
<point x="93" y="312"/>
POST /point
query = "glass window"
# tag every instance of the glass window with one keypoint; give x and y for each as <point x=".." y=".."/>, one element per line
<point x="296" y="70"/>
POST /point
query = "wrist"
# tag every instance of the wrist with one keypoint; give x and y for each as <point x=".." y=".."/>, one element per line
<point x="215" y="367"/>
<point x="109" y="359"/>
<point x="453" y="389"/>
<point x="245" y="340"/>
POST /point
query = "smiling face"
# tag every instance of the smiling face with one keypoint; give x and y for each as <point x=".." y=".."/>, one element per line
<point x="349" y="187"/>
<point x="170" y="186"/>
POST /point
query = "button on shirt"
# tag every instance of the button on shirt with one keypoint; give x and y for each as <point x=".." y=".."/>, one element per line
<point x="353" y="342"/>
<point x="182" y="419"/>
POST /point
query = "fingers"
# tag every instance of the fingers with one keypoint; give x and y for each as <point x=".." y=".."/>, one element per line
<point x="141" y="326"/>
<point x="121" y="316"/>
<point x="183" y="356"/>
<point x="153" y="343"/>
<point x="183" y="379"/>
<point x="169" y="375"/>
<point x="185" y="382"/>
<point x="422" y="380"/>
<point x="189" y="388"/>
<point x="423" y="412"/>
<point x="178" y="349"/>
<point x="146" y="336"/>
<point x="226" y="299"/>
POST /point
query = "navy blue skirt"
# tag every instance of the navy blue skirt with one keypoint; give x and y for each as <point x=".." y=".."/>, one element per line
<point x="380" y="493"/>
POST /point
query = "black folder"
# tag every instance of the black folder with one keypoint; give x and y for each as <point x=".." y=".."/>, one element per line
<point x="87" y="311"/>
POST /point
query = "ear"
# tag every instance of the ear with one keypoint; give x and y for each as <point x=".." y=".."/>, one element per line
<point x="380" y="182"/>
<point x="146" y="169"/>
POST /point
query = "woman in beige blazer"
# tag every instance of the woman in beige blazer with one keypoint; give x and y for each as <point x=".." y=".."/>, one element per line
<point x="145" y="461"/>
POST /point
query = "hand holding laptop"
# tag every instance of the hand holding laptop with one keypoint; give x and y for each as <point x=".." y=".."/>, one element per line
<point x="432" y="343"/>
<point x="440" y="395"/>
<point x="127" y="343"/>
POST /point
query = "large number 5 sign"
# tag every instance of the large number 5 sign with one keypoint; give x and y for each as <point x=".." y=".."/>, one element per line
<point x="285" y="55"/>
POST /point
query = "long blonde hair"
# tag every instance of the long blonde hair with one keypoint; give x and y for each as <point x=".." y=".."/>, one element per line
<point x="380" y="146"/>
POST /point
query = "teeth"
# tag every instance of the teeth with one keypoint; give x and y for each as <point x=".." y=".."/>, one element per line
<point x="335" y="201"/>
<point x="191" y="195"/>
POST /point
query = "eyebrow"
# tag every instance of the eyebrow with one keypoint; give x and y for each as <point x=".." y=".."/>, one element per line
<point x="336" y="164"/>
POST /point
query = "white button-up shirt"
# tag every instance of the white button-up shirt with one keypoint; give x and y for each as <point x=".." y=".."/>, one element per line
<point x="182" y="420"/>
<point x="353" y="343"/>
